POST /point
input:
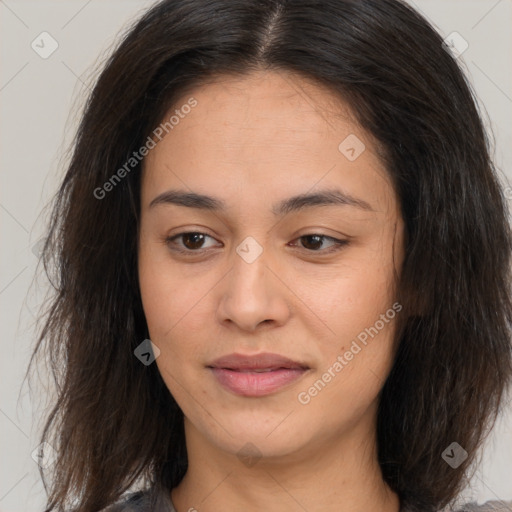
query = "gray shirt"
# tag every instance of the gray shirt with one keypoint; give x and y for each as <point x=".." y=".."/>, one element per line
<point x="139" y="502"/>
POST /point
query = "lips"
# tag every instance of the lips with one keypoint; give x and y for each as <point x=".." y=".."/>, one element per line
<point x="258" y="375"/>
<point x="257" y="363"/>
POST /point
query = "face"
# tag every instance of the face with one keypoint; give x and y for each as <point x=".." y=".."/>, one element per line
<point x="249" y="271"/>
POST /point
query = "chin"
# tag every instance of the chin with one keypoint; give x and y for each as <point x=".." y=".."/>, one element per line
<point x="258" y="434"/>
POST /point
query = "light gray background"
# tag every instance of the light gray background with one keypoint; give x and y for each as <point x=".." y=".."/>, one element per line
<point x="40" y="101"/>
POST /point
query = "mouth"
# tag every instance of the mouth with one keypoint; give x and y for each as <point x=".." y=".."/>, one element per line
<point x="258" y="375"/>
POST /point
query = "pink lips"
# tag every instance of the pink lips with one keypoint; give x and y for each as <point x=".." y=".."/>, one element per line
<point x="256" y="375"/>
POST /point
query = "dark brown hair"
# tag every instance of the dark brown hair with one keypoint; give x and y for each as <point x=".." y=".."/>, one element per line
<point x="454" y="358"/>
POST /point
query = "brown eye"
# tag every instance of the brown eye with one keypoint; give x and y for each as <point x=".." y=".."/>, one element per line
<point x="314" y="243"/>
<point x="192" y="241"/>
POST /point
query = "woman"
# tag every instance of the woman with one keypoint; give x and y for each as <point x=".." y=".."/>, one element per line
<point x="282" y="267"/>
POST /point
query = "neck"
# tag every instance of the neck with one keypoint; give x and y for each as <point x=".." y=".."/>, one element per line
<point x="337" y="475"/>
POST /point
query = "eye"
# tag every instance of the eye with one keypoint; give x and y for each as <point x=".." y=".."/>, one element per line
<point x="193" y="242"/>
<point x="314" y="242"/>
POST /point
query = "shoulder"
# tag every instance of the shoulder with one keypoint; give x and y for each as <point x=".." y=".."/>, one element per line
<point x="133" y="502"/>
<point x="142" y="501"/>
<point x="488" y="506"/>
<point x="139" y="502"/>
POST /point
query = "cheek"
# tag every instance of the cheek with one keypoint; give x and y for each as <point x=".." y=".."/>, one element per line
<point x="354" y="293"/>
<point x="365" y="325"/>
<point x="170" y="313"/>
<point x="176" y="308"/>
<point x="350" y="306"/>
<point x="353" y="370"/>
<point x="169" y="299"/>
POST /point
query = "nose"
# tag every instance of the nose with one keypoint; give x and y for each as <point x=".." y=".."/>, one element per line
<point x="252" y="293"/>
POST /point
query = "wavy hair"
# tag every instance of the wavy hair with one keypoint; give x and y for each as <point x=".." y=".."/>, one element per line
<point x="453" y="361"/>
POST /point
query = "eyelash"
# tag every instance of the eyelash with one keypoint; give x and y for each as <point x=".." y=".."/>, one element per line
<point x="338" y="244"/>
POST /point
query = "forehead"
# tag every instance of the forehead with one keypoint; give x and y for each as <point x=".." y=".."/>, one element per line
<point x="278" y="107"/>
<point x="267" y="132"/>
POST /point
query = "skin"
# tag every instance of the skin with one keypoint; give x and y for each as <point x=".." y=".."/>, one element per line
<point x="252" y="142"/>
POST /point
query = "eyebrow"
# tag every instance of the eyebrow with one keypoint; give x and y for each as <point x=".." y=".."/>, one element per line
<point x="284" y="207"/>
